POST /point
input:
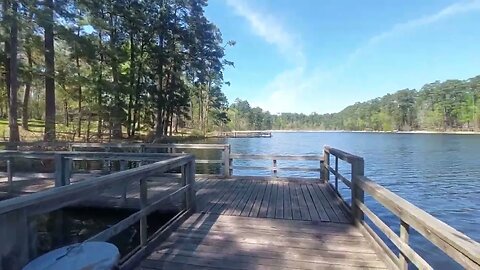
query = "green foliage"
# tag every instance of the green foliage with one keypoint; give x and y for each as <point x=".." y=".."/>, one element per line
<point x="124" y="65"/>
<point x="439" y="106"/>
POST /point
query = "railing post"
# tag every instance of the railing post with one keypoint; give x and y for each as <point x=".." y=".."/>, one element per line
<point x="226" y="161"/>
<point x="404" y="236"/>
<point x="275" y="167"/>
<point x="67" y="170"/>
<point x="358" y="170"/>
<point x="143" y="204"/>
<point x="336" y="173"/>
<point x="188" y="178"/>
<point x="123" y="166"/>
<point x="59" y="170"/>
<point x="326" y="165"/>
<point x="10" y="174"/>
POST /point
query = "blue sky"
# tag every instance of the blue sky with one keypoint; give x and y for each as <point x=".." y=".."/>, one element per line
<point x="323" y="55"/>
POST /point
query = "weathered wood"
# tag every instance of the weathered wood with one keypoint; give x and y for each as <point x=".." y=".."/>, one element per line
<point x="458" y="246"/>
<point x="357" y="192"/>
<point x="143" y="204"/>
<point x="53" y="199"/>
<point x="228" y="242"/>
<point x="10" y="175"/>
<point x="226" y="161"/>
<point x="404" y="237"/>
<point x="404" y="248"/>
<point x="277" y="157"/>
<point x="326" y="165"/>
<point x="341" y="154"/>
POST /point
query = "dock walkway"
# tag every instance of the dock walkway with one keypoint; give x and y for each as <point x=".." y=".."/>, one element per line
<point x="255" y="224"/>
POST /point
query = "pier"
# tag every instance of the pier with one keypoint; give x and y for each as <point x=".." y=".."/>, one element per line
<point x="234" y="219"/>
<point x="247" y="134"/>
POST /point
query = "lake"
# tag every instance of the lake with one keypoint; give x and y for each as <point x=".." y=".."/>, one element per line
<point x="439" y="173"/>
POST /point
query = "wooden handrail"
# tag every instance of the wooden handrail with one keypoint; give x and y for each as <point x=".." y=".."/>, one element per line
<point x="276" y="157"/>
<point x="455" y="244"/>
<point x="275" y="167"/>
<point x="15" y="213"/>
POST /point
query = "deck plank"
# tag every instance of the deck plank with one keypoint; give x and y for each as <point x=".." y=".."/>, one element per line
<point x="258" y="200"/>
<point x="209" y="241"/>
<point x="318" y="204"/>
<point x="295" y="206"/>
<point x="280" y="200"/>
<point x="323" y="201"/>
<point x="251" y="200"/>
<point x="287" y="206"/>
<point x="302" y="203"/>
<point x="272" y="203"/>
<point x="265" y="201"/>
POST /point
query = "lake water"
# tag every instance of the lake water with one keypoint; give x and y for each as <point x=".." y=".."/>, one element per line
<point x="436" y="172"/>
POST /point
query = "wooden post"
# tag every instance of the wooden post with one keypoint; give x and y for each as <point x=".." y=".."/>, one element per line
<point x="143" y="204"/>
<point x="188" y="178"/>
<point x="275" y="167"/>
<point x="326" y="165"/>
<point x="123" y="165"/>
<point x="226" y="161"/>
<point x="336" y="173"/>
<point x="357" y="192"/>
<point x="404" y="236"/>
<point x="59" y="170"/>
<point x="10" y="174"/>
<point x="67" y="170"/>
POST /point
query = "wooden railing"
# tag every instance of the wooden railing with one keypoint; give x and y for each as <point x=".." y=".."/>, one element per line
<point x="132" y="148"/>
<point x="18" y="226"/>
<point x="64" y="161"/>
<point x="275" y="168"/>
<point x="169" y="148"/>
<point x="455" y="244"/>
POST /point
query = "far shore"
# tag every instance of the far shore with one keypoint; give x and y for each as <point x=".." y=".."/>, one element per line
<point x="368" y="131"/>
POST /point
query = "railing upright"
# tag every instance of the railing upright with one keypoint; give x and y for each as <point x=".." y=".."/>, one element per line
<point x="226" y="161"/>
<point x="143" y="204"/>
<point x="358" y="170"/>
<point x="326" y="166"/>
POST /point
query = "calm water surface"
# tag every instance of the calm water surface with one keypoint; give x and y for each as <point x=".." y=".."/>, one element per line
<point x="438" y="173"/>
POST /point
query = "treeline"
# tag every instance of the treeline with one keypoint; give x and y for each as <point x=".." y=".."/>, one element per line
<point x="120" y="65"/>
<point x="440" y="106"/>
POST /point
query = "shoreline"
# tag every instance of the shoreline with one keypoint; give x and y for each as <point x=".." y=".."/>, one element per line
<point x="369" y="131"/>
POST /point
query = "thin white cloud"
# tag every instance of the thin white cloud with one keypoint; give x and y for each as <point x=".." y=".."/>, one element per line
<point x="447" y="12"/>
<point x="270" y="29"/>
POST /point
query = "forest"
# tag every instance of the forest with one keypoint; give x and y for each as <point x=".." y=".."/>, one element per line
<point x="86" y="69"/>
<point x="452" y="105"/>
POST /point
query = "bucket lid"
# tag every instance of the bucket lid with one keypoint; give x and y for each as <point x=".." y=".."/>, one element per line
<point x="88" y="255"/>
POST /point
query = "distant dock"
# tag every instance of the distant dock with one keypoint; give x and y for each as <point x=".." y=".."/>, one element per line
<point x="247" y="134"/>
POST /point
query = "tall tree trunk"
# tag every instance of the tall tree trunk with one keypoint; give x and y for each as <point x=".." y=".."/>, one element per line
<point x="49" y="74"/>
<point x="79" y="90"/>
<point x="116" y="118"/>
<point x="12" y="117"/>
<point x="29" y="77"/>
<point x="132" y="86"/>
<point x="99" y="89"/>
<point x="26" y="100"/>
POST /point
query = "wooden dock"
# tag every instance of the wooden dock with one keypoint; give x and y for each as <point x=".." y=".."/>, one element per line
<point x="255" y="224"/>
<point x="228" y="221"/>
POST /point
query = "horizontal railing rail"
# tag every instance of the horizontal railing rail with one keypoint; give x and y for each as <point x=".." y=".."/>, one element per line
<point x="275" y="168"/>
<point x="18" y="225"/>
<point x="453" y="243"/>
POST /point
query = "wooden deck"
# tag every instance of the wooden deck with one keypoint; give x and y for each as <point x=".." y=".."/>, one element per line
<point x="296" y="200"/>
<point x="254" y="224"/>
